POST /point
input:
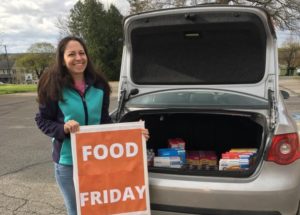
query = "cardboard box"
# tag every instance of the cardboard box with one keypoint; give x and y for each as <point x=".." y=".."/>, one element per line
<point x="170" y="162"/>
<point x="169" y="152"/>
<point x="176" y="143"/>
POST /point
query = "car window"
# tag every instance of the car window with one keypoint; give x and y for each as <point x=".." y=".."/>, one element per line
<point x="197" y="99"/>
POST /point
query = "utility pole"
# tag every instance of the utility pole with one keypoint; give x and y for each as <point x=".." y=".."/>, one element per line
<point x="7" y="61"/>
<point x="6" y="57"/>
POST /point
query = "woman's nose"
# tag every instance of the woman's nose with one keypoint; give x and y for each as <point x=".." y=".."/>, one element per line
<point x="78" y="56"/>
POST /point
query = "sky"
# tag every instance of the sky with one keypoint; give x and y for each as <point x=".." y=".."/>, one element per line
<point x="25" y="22"/>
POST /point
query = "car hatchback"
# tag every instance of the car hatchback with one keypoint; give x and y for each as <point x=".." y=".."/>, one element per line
<point x="205" y="81"/>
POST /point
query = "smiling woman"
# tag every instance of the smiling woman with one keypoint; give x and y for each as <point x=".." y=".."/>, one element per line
<point x="70" y="93"/>
<point x="17" y="88"/>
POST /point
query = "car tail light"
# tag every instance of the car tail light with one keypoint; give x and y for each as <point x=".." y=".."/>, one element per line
<point x="285" y="149"/>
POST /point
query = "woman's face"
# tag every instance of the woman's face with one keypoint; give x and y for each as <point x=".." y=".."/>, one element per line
<point x="75" y="59"/>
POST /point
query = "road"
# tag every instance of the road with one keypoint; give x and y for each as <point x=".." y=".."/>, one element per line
<point x="27" y="184"/>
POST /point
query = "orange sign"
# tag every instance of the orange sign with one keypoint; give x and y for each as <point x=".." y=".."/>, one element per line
<point x="110" y="171"/>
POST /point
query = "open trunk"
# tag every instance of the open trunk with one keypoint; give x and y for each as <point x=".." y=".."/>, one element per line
<point x="212" y="48"/>
<point x="204" y="131"/>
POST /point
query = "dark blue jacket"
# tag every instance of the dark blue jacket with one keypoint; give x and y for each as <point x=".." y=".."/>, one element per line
<point x="90" y="109"/>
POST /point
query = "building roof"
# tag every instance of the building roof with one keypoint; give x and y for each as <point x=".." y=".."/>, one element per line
<point x="3" y="64"/>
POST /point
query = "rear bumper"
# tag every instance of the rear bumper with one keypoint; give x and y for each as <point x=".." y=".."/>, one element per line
<point x="273" y="190"/>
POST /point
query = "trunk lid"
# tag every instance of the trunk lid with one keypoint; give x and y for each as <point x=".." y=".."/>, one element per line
<point x="217" y="47"/>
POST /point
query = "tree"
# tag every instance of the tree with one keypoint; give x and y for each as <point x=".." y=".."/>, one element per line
<point x="38" y="57"/>
<point x="285" y="13"/>
<point x="102" y="31"/>
<point x="112" y="52"/>
<point x="289" y="55"/>
<point x="62" y="25"/>
<point x="137" y="6"/>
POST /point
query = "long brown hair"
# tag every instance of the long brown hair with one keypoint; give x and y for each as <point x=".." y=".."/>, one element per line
<point x="57" y="76"/>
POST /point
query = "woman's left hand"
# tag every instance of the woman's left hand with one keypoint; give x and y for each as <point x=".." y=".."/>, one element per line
<point x="145" y="133"/>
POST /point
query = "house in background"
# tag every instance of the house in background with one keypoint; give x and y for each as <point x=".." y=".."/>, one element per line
<point x="10" y="73"/>
<point x="23" y="75"/>
<point x="7" y="73"/>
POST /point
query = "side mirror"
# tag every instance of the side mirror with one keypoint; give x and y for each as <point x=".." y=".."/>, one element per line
<point x="285" y="94"/>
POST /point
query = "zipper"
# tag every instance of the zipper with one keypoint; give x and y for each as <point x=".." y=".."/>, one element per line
<point x="273" y="111"/>
<point x="86" y="115"/>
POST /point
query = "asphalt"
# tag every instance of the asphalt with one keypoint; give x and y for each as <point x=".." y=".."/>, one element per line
<point x="290" y="84"/>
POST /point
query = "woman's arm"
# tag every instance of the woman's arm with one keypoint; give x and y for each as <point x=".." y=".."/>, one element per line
<point x="105" y="118"/>
<point x="47" y="121"/>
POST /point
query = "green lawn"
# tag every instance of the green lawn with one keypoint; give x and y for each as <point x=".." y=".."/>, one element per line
<point x="17" y="88"/>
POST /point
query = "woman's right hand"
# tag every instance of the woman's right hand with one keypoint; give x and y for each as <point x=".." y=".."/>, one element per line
<point x="71" y="126"/>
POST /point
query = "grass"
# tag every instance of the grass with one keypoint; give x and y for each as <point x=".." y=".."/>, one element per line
<point x="17" y="88"/>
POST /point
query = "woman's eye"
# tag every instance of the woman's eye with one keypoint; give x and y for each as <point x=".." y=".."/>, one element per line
<point x="74" y="54"/>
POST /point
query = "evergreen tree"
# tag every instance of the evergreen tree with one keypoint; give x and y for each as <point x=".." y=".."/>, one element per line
<point x="113" y="46"/>
<point x="101" y="31"/>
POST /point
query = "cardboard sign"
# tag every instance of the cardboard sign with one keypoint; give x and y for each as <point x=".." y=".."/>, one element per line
<point x="110" y="169"/>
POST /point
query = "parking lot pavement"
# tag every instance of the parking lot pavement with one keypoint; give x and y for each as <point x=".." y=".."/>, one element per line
<point x="290" y="84"/>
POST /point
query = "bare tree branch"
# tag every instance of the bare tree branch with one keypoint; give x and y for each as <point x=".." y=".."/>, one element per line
<point x="289" y="55"/>
<point x="285" y="13"/>
<point x="62" y="25"/>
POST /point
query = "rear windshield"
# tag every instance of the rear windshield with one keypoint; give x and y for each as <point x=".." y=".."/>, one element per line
<point x="199" y="99"/>
<point x="212" y="49"/>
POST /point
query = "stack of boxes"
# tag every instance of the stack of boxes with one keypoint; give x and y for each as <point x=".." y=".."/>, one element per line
<point x="176" y="156"/>
<point x="202" y="160"/>
<point x="172" y="157"/>
<point x="237" y="159"/>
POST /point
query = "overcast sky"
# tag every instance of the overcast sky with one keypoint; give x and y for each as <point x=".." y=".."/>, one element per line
<point x="24" y="22"/>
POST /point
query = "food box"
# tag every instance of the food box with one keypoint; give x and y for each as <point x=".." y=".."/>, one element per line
<point x="234" y="164"/>
<point x="169" y="152"/>
<point x="202" y="160"/>
<point x="238" y="159"/>
<point x="150" y="156"/>
<point x="170" y="162"/>
<point x="176" y="143"/>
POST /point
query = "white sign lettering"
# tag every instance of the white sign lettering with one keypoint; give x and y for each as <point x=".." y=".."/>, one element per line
<point x="116" y="150"/>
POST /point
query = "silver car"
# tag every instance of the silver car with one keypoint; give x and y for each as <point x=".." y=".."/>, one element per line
<point x="208" y="76"/>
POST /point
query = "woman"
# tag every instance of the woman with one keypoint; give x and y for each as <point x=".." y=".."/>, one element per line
<point x="70" y="94"/>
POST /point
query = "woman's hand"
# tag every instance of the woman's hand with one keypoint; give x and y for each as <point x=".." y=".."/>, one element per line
<point x="146" y="134"/>
<point x="71" y="126"/>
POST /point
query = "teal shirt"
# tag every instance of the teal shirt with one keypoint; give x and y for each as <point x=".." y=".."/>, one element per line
<point x="85" y="110"/>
